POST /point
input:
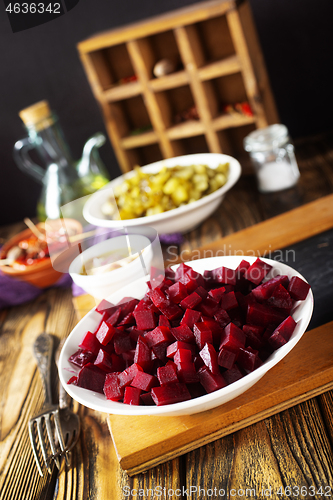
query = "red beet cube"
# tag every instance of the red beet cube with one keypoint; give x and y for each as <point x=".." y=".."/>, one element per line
<point x="232" y="337"/>
<point x="257" y="271"/>
<point x="170" y="393"/>
<point x="203" y="334"/>
<point x="144" y="381"/>
<point x="228" y="301"/>
<point x="253" y="336"/>
<point x="181" y="271"/>
<point x="248" y="359"/>
<point x="105" y="307"/>
<point x="280" y="298"/>
<point x="146" y="399"/>
<point x="127" y="305"/>
<point x="298" y="288"/>
<point x="145" y="304"/>
<point x="191" y="301"/>
<point x="192" y="280"/>
<point x="170" y="273"/>
<point x="202" y="292"/>
<point x="183" y="356"/>
<point x="177" y="292"/>
<point x="103" y="361"/>
<point x="163" y="321"/>
<point x="142" y="355"/>
<point x="157" y="297"/>
<point x="216" y="293"/>
<point x="226" y="358"/>
<point x="187" y="373"/>
<point x="209" y="381"/>
<point x="209" y="357"/>
<point x="233" y="374"/>
<point x="222" y="318"/>
<point x="160" y="335"/>
<point x="122" y="342"/>
<point x="264" y="291"/>
<point x="91" y="377"/>
<point x="224" y="275"/>
<point x="90" y="343"/>
<point x="242" y="267"/>
<point x="167" y="374"/>
<point x="126" y="376"/>
<point x="105" y="333"/>
<point x="132" y="396"/>
<point x="183" y="333"/>
<point x="190" y="317"/>
<point x="128" y="320"/>
<point x="171" y="310"/>
<point x="263" y="315"/>
<point x="172" y="348"/>
<point x="145" y="320"/>
<point x="81" y="358"/>
<point x="208" y="307"/>
<point x="115" y="317"/>
<point x="111" y="388"/>
<point x="282" y="333"/>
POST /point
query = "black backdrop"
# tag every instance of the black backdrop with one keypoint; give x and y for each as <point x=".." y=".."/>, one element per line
<point x="42" y="63"/>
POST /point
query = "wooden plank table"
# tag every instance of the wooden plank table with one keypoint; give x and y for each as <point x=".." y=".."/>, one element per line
<point x="292" y="448"/>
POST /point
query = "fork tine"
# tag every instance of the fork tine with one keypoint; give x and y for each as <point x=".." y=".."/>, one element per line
<point x="42" y="443"/>
<point x="60" y="436"/>
<point x="50" y="436"/>
<point x="34" y="447"/>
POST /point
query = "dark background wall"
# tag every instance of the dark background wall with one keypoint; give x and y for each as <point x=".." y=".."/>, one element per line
<point x="42" y="63"/>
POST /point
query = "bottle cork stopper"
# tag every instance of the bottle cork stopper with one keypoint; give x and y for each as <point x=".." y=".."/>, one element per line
<point x="36" y="113"/>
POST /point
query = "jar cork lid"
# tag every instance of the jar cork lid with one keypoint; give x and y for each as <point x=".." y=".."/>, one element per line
<point x="38" y="115"/>
<point x="268" y="138"/>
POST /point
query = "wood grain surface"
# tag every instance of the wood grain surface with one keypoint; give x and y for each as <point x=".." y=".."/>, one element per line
<point x="292" y="448"/>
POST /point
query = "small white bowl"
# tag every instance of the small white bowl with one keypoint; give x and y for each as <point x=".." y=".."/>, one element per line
<point x="102" y="285"/>
<point x="181" y="219"/>
<point x="302" y="312"/>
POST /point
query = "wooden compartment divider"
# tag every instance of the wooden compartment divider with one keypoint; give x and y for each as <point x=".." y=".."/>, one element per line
<point x="213" y="40"/>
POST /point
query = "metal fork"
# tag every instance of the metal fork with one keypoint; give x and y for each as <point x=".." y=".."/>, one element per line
<point x="43" y="348"/>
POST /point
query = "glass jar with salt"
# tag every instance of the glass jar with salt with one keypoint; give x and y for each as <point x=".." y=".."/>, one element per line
<point x="273" y="158"/>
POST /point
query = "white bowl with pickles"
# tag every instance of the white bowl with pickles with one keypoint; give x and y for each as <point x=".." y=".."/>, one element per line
<point x="172" y="195"/>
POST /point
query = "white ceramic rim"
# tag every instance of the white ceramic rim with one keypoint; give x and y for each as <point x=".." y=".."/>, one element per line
<point x="234" y="174"/>
<point x="98" y="402"/>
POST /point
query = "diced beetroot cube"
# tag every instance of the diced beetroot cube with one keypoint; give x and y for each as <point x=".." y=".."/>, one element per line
<point x="226" y="358"/>
<point x="103" y="361"/>
<point x="222" y="318"/>
<point x="202" y="292"/>
<point x="82" y="357"/>
<point x="170" y="274"/>
<point x="132" y="396"/>
<point x="145" y="320"/>
<point x="105" y="333"/>
<point x="210" y="381"/>
<point x="198" y="362"/>
<point x="171" y="310"/>
<point x="142" y="355"/>
<point x="126" y="376"/>
<point x="172" y="348"/>
<point x="159" y="351"/>
<point x="183" y="356"/>
<point x="280" y="298"/>
<point x="167" y="374"/>
<point x="264" y="291"/>
<point x="122" y="342"/>
<point x="145" y="304"/>
<point x="224" y="275"/>
<point x="170" y="393"/>
<point x="298" y="288"/>
<point x="190" y="317"/>
<point x="90" y="343"/>
<point x="127" y="305"/>
<point x="232" y="337"/>
<point x="233" y="374"/>
<point x="245" y="300"/>
<point x="144" y="381"/>
<point x="228" y="301"/>
<point x="257" y="271"/>
<point x="128" y="357"/>
<point x="163" y="321"/>
<point x="111" y="388"/>
<point x="191" y="301"/>
<point x="105" y="307"/>
<point x="263" y="315"/>
<point x="208" y="307"/>
<point x="91" y="377"/>
<point x="248" y="358"/>
<point x="104" y="317"/>
<point x="157" y="297"/>
<point x="115" y="317"/>
<point x="187" y="373"/>
<point x="160" y="335"/>
<point x="216" y="293"/>
<point x="177" y="292"/>
<point x="196" y="390"/>
<point x="146" y="399"/>
<point x="242" y="267"/>
<point x="203" y="335"/>
<point x="192" y="280"/>
<point x="72" y="380"/>
<point x="253" y="336"/>
<point x="117" y="362"/>
<point x="209" y="357"/>
<point x="134" y="333"/>
<point x="181" y="270"/>
<point x="284" y="330"/>
<point x="215" y="329"/>
<point x="128" y="320"/>
<point x="183" y="333"/>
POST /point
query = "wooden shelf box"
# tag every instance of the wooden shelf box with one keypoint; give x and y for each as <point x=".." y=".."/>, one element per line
<point x="218" y="62"/>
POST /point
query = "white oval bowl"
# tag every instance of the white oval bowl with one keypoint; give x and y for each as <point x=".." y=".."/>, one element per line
<point x="181" y="219"/>
<point x="301" y="313"/>
<point x="104" y="284"/>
